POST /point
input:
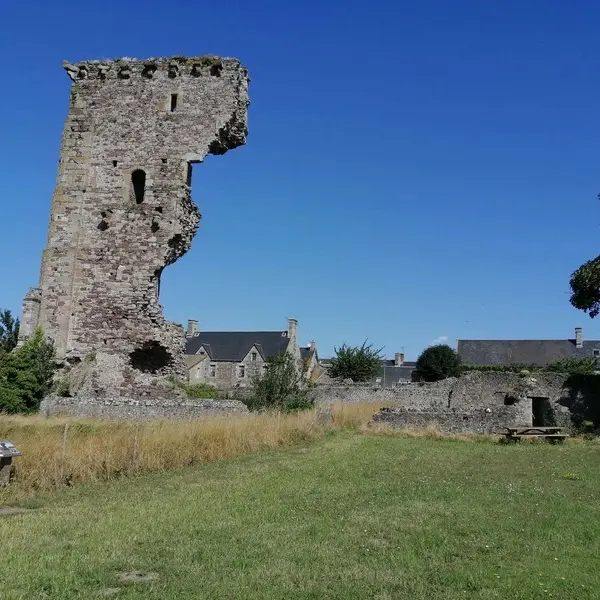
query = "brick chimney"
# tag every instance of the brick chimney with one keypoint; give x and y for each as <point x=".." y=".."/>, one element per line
<point x="399" y="359"/>
<point x="192" y="327"/>
<point x="292" y="328"/>
<point x="578" y="337"/>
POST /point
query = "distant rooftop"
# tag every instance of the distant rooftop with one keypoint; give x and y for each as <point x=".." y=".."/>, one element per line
<point x="525" y="352"/>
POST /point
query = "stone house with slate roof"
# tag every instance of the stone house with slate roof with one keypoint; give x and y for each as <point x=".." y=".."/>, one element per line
<point x="229" y="359"/>
<point x="394" y="372"/>
<point x="526" y="352"/>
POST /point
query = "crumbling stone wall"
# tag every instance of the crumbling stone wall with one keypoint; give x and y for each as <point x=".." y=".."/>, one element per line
<point x="476" y="402"/>
<point x="141" y="410"/>
<point x="30" y="314"/>
<point x="122" y="212"/>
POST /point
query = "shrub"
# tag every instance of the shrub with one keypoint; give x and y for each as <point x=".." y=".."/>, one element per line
<point x="26" y="375"/>
<point x="571" y="366"/>
<point x="201" y="390"/>
<point x="437" y="362"/>
<point x="281" y="387"/>
<point x="359" y="363"/>
<point x="196" y="390"/>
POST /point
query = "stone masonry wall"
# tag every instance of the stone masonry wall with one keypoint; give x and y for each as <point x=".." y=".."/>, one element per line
<point x="140" y="410"/>
<point x="475" y="402"/>
<point x="122" y="211"/>
<point x="30" y="314"/>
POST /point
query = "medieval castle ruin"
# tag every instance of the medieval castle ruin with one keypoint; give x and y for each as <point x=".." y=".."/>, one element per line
<point x="122" y="212"/>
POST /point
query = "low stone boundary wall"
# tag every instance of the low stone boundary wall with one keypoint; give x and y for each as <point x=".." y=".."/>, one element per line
<point x="123" y="409"/>
<point x="413" y="394"/>
<point x="481" y="421"/>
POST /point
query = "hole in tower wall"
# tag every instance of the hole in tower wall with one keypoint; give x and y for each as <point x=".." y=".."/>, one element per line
<point x="173" y="102"/>
<point x="155" y="227"/>
<point x="175" y="240"/>
<point x="103" y="225"/>
<point x="138" y="186"/>
<point x="150" y="358"/>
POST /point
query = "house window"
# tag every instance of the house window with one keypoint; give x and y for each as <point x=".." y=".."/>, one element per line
<point x="212" y="372"/>
<point x="242" y="371"/>
<point x="253" y="356"/>
<point x="596" y="352"/>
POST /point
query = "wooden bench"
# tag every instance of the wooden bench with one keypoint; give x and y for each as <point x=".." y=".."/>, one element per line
<point x="552" y="433"/>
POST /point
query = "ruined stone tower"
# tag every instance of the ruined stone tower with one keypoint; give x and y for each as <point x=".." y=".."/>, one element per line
<point x="122" y="211"/>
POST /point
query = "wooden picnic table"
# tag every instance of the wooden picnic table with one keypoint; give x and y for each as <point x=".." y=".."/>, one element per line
<point x="553" y="433"/>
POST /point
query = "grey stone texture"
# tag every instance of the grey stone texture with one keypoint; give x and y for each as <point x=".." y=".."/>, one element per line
<point x="477" y="402"/>
<point x="5" y="471"/>
<point x="122" y="211"/>
<point x="140" y="410"/>
<point x="30" y="314"/>
<point x="476" y="421"/>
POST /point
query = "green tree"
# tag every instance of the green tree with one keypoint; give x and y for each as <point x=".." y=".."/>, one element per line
<point x="359" y="363"/>
<point x="437" y="362"/>
<point x="281" y="387"/>
<point x="585" y="286"/>
<point x="26" y="375"/>
<point x="9" y="330"/>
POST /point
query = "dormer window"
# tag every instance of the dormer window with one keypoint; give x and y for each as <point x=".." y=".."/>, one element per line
<point x="596" y="351"/>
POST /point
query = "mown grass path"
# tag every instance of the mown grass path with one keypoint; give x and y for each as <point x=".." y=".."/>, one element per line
<point x="351" y="516"/>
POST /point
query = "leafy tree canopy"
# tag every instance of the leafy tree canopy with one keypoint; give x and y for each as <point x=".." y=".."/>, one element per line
<point x="9" y="331"/>
<point x="359" y="363"/>
<point x="437" y="362"/>
<point x="585" y="287"/>
<point x="26" y="375"/>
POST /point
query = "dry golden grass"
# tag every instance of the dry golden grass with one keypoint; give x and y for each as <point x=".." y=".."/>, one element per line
<point x="65" y="451"/>
<point x="430" y="432"/>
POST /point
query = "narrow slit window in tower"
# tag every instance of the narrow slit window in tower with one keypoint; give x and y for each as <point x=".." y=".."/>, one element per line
<point x="173" y="102"/>
<point x="138" y="185"/>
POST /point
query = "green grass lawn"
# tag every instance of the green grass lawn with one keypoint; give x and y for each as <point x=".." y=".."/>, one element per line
<point x="352" y="516"/>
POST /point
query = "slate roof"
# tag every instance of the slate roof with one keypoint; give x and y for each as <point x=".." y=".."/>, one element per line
<point x="306" y="352"/>
<point x="391" y="374"/>
<point x="233" y="346"/>
<point x="525" y="352"/>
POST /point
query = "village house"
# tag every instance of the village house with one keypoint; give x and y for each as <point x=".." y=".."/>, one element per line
<point x="229" y="359"/>
<point x="395" y="371"/>
<point x="526" y="352"/>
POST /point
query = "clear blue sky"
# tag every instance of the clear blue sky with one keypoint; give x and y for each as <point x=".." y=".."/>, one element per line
<point x="414" y="169"/>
